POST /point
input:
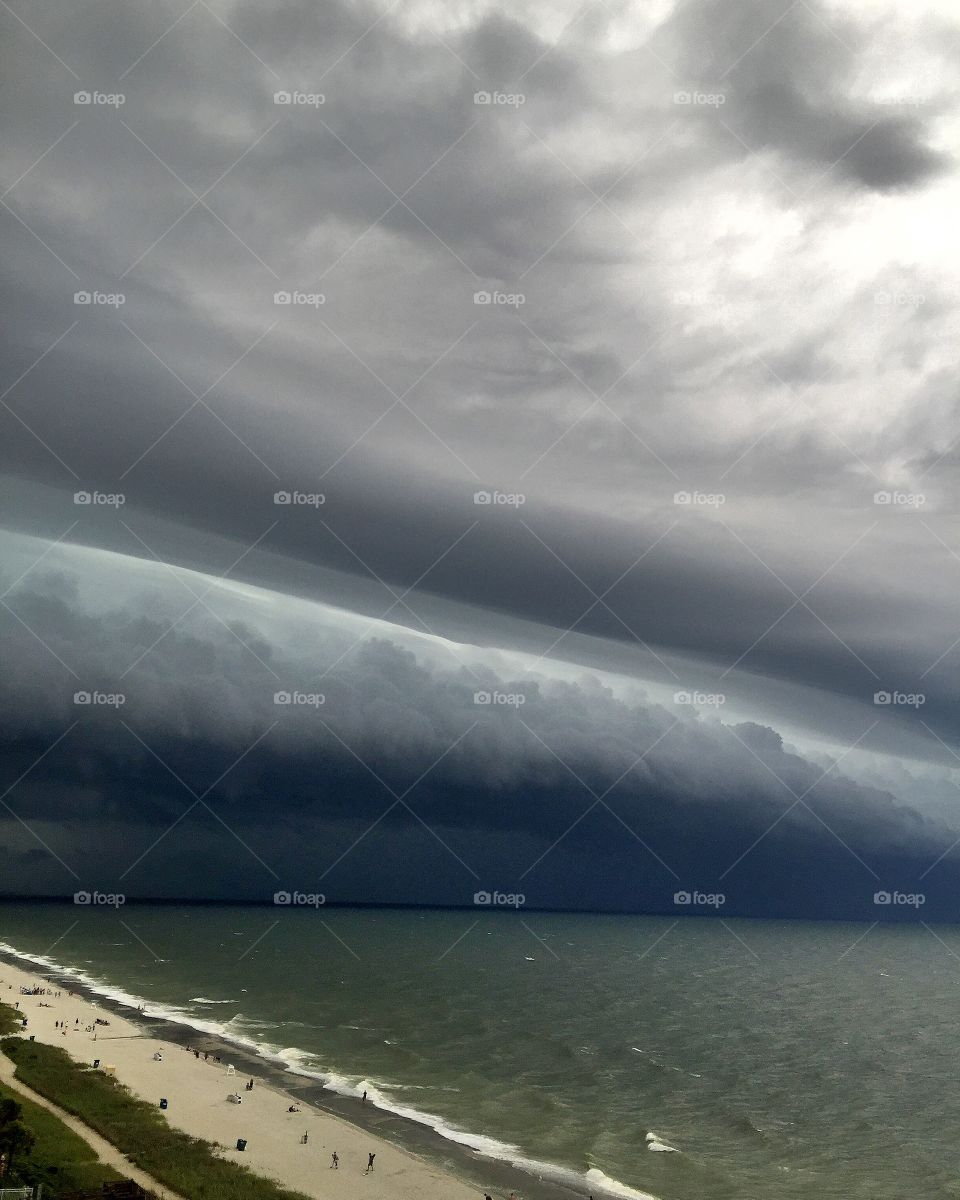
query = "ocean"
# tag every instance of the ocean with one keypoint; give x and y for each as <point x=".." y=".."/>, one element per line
<point x="696" y="1059"/>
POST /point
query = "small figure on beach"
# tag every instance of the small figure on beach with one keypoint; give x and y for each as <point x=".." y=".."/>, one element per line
<point x="363" y="1098"/>
<point x="303" y="1140"/>
<point x="250" y="1086"/>
<point x="334" y="1161"/>
<point x="370" y="1158"/>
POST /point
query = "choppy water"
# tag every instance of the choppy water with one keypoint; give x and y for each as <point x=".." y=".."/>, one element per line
<point x="775" y="1060"/>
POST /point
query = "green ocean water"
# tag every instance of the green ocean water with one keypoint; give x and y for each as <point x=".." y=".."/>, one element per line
<point x="777" y="1060"/>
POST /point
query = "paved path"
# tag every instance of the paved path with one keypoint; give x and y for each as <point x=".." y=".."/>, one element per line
<point x="104" y="1150"/>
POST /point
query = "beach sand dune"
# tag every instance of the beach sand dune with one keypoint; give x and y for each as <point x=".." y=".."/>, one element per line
<point x="197" y="1094"/>
<point x="104" y="1151"/>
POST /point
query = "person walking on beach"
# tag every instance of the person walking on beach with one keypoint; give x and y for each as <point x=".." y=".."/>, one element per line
<point x="370" y="1158"/>
<point x="303" y="1140"/>
<point x="363" y="1098"/>
<point x="334" y="1161"/>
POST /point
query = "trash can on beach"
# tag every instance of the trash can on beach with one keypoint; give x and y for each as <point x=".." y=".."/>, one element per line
<point x="241" y="1143"/>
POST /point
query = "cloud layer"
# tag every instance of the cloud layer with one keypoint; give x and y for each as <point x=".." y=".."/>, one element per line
<point x="671" y="287"/>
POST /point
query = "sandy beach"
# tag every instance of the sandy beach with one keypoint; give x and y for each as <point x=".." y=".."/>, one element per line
<point x="197" y="1091"/>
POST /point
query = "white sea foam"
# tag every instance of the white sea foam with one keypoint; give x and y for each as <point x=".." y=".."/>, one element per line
<point x="656" y="1143"/>
<point x="603" y="1182"/>
<point x="378" y="1093"/>
<point x="300" y="1062"/>
<point x="163" y="1012"/>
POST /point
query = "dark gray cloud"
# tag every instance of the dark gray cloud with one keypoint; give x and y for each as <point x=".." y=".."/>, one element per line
<point x="787" y="73"/>
<point x="503" y="790"/>
<point x="718" y="297"/>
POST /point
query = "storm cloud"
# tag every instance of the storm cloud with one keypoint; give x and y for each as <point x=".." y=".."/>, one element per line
<point x="598" y="357"/>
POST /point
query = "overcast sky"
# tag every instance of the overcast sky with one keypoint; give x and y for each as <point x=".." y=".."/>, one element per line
<point x="604" y="355"/>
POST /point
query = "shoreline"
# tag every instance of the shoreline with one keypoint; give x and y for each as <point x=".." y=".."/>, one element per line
<point x="459" y="1171"/>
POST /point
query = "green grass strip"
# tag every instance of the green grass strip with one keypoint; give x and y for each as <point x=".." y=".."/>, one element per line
<point x="60" y="1159"/>
<point x="186" y="1164"/>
